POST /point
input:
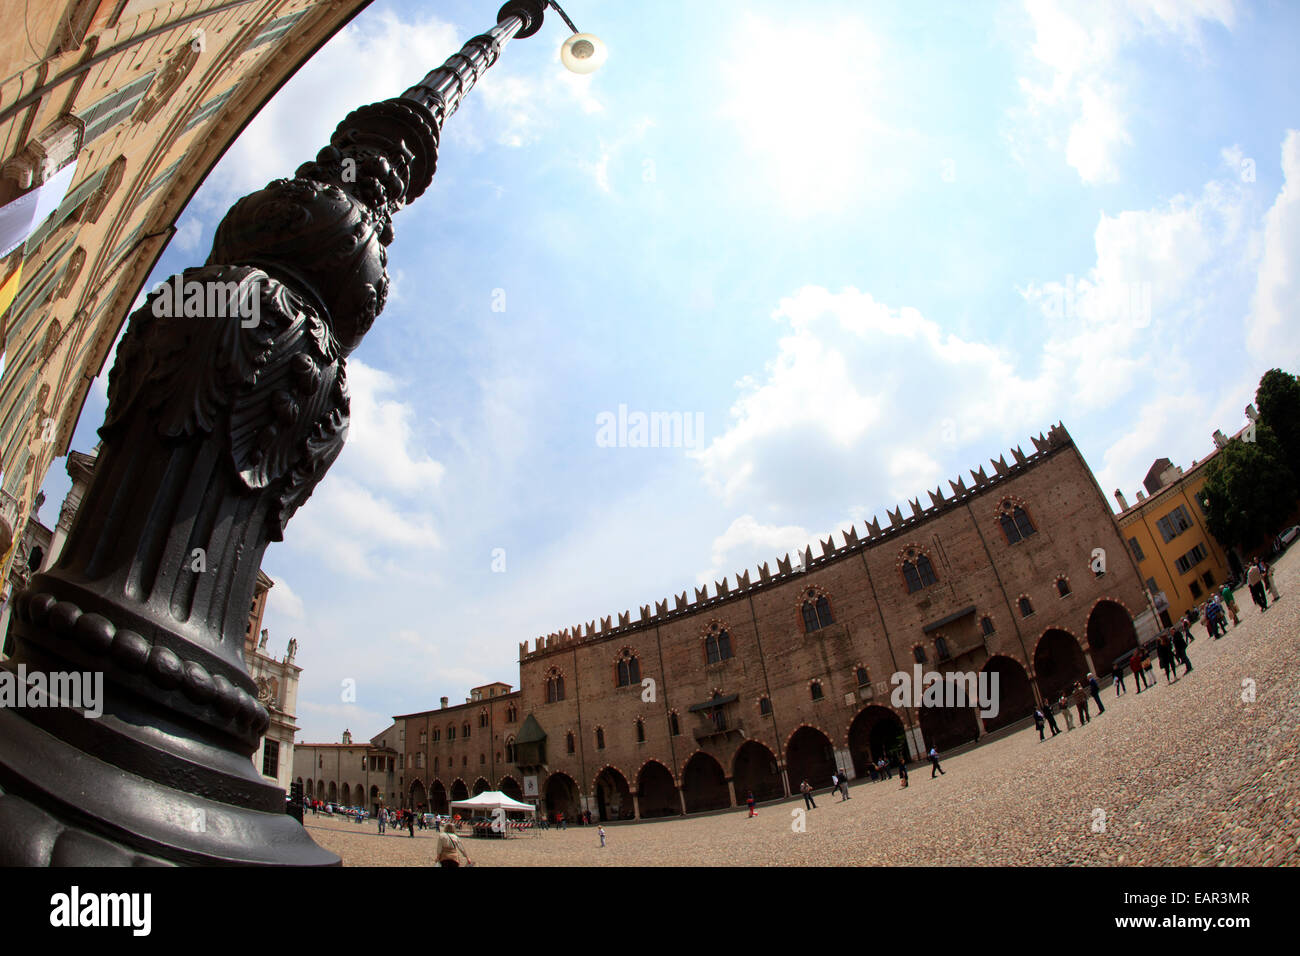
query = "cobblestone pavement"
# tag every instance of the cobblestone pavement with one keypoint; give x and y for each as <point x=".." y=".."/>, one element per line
<point x="1184" y="774"/>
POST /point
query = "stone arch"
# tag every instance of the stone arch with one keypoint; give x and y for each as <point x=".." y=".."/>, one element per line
<point x="320" y="789"/>
<point x="481" y="786"/>
<point x="704" y="784"/>
<point x="1110" y="633"/>
<point x="613" y="796"/>
<point x="334" y="792"/>
<point x="1015" y="694"/>
<point x="459" y="789"/>
<point x="419" y="797"/>
<point x="437" y="797"/>
<point x="876" y="733"/>
<point x="946" y="727"/>
<point x="809" y="756"/>
<point x="657" y="791"/>
<point x="375" y="798"/>
<point x="511" y="788"/>
<point x="1058" y="662"/>
<point x="309" y="790"/>
<point x="755" y="769"/>
<point x="345" y="795"/>
<point x="561" y="795"/>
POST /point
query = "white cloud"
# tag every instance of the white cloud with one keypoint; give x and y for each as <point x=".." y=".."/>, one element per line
<point x="285" y="600"/>
<point x="380" y="438"/>
<point x="747" y="543"/>
<point x="1078" y="52"/>
<point x="1272" y="324"/>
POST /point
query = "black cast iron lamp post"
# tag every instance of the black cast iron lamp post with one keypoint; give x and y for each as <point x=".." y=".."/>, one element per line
<point x="217" y="430"/>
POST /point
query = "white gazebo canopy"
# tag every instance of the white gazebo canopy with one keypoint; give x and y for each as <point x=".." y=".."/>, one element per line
<point x="490" y="800"/>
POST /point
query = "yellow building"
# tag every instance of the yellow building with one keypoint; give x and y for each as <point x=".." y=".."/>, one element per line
<point x="112" y="112"/>
<point x="1178" y="558"/>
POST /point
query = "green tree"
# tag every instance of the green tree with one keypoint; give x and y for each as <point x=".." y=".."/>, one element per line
<point x="1278" y="402"/>
<point x="1249" y="491"/>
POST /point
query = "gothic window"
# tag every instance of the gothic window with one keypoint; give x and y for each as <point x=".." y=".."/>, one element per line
<point x="986" y="624"/>
<point x="569" y="742"/>
<point x="918" y="653"/>
<point x="600" y="738"/>
<point x="717" y="644"/>
<point x="451" y="731"/>
<point x="554" y="686"/>
<point x="640" y="731"/>
<point x="863" y="677"/>
<point x="673" y="729"/>
<point x="718" y="718"/>
<point x="628" y="669"/>
<point x="482" y="759"/>
<point x="510" y="750"/>
<point x="1026" y="608"/>
<point x="464" y="730"/>
<point x="437" y="734"/>
<point x="816" y="610"/>
<point x="918" y="572"/>
<point x="941" y="648"/>
<point x="1062" y="587"/>
<point x="1015" y="521"/>
<point x="512" y="714"/>
<point x="482" y="718"/>
<point x="765" y="706"/>
<point x="816" y="690"/>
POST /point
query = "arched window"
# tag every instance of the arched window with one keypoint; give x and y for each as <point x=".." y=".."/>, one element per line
<point x="717" y="644"/>
<point x="941" y="648"/>
<point x="435" y="764"/>
<point x="424" y="737"/>
<point x="673" y="729"/>
<point x="554" y="686"/>
<point x="437" y="734"/>
<point x="986" y="624"/>
<point x="600" y="738"/>
<point x="482" y="759"/>
<point x="765" y="706"/>
<point x="569" y="742"/>
<point x="816" y="690"/>
<point x="510" y="750"/>
<point x="918" y="653"/>
<point x="863" y="677"/>
<point x="464" y="730"/>
<point x="1026" y="608"/>
<point x="628" y="669"/>
<point x="451" y="731"/>
<point x="918" y="572"/>
<point x="512" y="714"/>
<point x="1062" y="587"/>
<point x="482" y="718"/>
<point x="640" y="731"/>
<point x="816" y="610"/>
<point x="1015" y="521"/>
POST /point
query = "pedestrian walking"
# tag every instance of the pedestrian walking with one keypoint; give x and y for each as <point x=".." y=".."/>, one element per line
<point x="835" y="784"/>
<point x="749" y="801"/>
<point x="1064" y="704"/>
<point x="1180" y="651"/>
<point x="1255" y="581"/>
<point x="1186" y="625"/>
<point x="844" y="786"/>
<point x="902" y="768"/>
<point x="1039" y="723"/>
<point x="1230" y="602"/>
<point x="564" y="822"/>
<point x="601" y="831"/>
<point x="410" y="823"/>
<point x="1047" y="715"/>
<point x="1094" y="687"/>
<point x="380" y="817"/>
<point x="1267" y="573"/>
<point x="1139" y="673"/>
<point x="807" y="791"/>
<point x="886" y="769"/>
<point x="450" y="849"/>
<point x="934" y="761"/>
<point x="1117" y="678"/>
<point x="1080" y="700"/>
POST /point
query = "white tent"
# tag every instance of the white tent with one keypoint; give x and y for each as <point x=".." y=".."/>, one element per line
<point x="490" y="800"/>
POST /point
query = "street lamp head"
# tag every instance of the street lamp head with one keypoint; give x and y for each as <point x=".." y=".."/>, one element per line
<point x="583" y="53"/>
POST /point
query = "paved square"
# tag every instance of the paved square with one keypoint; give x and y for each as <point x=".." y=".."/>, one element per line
<point x="1184" y="774"/>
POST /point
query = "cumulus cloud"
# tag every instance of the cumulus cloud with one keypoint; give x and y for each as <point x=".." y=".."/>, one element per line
<point x="1077" y="54"/>
<point x="1271" y="324"/>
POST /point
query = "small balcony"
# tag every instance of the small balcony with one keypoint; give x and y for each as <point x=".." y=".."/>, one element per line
<point x="711" y="733"/>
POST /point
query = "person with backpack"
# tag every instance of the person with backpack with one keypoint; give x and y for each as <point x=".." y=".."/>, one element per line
<point x="807" y="791"/>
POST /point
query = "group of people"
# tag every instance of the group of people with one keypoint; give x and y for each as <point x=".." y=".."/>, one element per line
<point x="1076" y="697"/>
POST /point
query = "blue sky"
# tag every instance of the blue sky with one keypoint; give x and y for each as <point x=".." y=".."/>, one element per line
<point x="869" y="246"/>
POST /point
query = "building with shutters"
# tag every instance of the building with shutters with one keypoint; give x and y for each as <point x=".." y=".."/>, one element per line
<point x="112" y="112"/>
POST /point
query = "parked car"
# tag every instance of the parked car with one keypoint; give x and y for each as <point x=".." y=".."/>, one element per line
<point x="1283" y="540"/>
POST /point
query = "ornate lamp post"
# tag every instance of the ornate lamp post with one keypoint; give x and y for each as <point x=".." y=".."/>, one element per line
<point x="226" y="408"/>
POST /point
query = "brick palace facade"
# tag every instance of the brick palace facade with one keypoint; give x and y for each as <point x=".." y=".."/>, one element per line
<point x="785" y="675"/>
